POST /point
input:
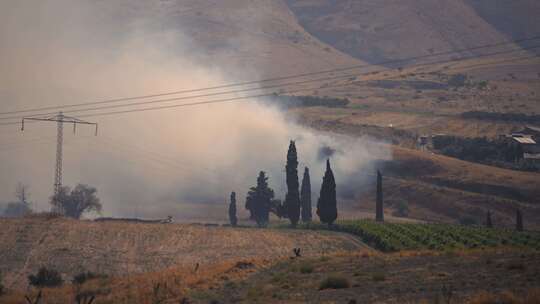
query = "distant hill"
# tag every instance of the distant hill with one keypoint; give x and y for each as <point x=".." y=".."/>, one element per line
<point x="516" y="19"/>
<point x="376" y="31"/>
<point x="254" y="37"/>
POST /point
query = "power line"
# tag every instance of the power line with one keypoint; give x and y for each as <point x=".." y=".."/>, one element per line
<point x="224" y="100"/>
<point x="383" y="63"/>
<point x="273" y="93"/>
<point x="211" y="174"/>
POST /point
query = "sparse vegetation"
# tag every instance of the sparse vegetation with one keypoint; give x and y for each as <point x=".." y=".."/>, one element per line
<point x="45" y="277"/>
<point x="309" y="101"/>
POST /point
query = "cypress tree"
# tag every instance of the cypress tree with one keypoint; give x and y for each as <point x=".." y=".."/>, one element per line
<point x="379" y="217"/>
<point x="327" y="204"/>
<point x="489" y="224"/>
<point x="292" y="198"/>
<point x="232" y="210"/>
<point x="519" y="221"/>
<point x="305" y="197"/>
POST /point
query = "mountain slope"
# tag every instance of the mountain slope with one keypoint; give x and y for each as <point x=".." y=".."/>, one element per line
<point x="381" y="30"/>
<point x="516" y="19"/>
<point x="259" y="37"/>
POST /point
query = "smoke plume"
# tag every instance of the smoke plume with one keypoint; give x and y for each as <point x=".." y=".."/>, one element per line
<point x="180" y="161"/>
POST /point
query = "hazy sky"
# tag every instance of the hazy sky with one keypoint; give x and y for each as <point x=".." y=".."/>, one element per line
<point x="183" y="161"/>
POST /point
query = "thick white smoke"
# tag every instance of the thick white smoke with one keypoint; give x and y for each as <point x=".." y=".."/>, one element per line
<point x="182" y="161"/>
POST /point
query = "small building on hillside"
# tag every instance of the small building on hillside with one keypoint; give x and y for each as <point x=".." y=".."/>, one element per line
<point x="534" y="132"/>
<point x="527" y="143"/>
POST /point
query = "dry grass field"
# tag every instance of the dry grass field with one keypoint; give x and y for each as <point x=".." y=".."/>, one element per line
<point x="121" y="249"/>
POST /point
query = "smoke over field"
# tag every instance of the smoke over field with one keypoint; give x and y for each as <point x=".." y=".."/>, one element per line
<point x="180" y="161"/>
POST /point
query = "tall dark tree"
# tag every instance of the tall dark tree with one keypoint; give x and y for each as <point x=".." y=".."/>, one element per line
<point x="379" y="216"/>
<point x="292" y="198"/>
<point x="259" y="200"/>
<point x="232" y="210"/>
<point x="305" y="197"/>
<point x="519" y="221"/>
<point x="327" y="203"/>
<point x="489" y="224"/>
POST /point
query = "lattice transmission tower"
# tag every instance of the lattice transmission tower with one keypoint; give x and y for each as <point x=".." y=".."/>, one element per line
<point x="60" y="119"/>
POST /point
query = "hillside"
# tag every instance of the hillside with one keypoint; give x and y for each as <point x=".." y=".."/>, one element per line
<point x="377" y="31"/>
<point x="246" y="38"/>
<point x="440" y="188"/>
<point x="422" y="278"/>
<point x="119" y="249"/>
<point x="516" y="19"/>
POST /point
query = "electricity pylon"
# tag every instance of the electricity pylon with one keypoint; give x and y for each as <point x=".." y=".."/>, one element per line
<point x="60" y="119"/>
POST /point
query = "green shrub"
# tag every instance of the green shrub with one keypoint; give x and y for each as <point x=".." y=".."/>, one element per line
<point x="335" y="282"/>
<point x="45" y="278"/>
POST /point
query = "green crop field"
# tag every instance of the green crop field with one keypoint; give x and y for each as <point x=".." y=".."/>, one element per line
<point x="390" y="237"/>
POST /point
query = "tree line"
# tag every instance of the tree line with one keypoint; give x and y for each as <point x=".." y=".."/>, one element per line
<point x="261" y="201"/>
